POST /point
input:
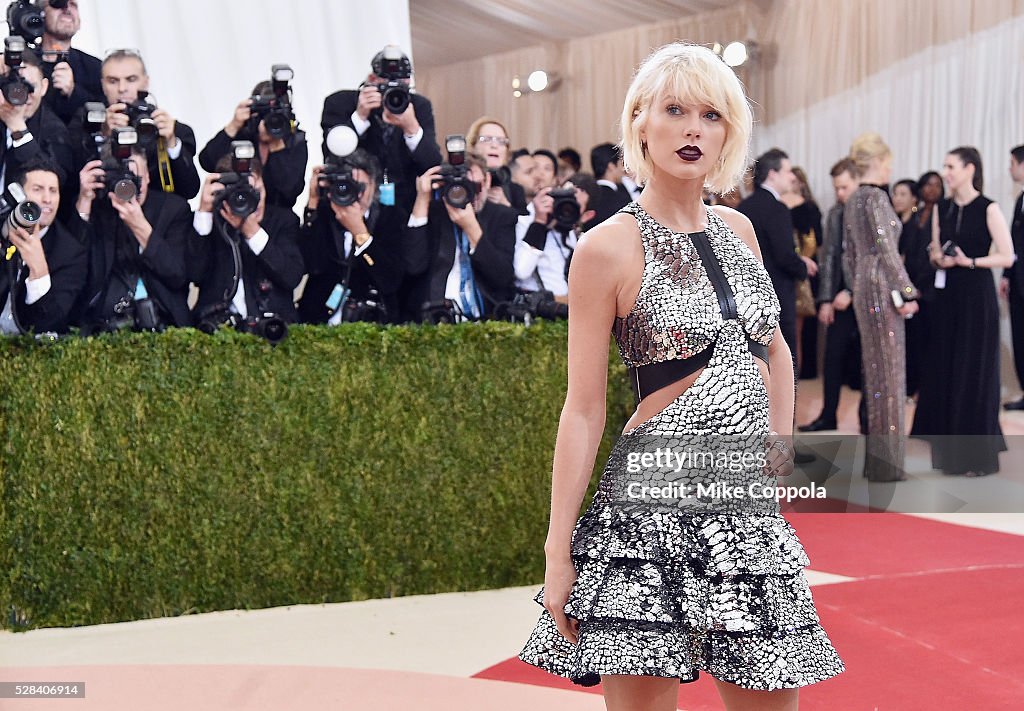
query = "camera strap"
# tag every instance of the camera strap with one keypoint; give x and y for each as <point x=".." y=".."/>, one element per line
<point x="163" y="161"/>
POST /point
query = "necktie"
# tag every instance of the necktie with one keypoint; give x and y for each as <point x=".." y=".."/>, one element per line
<point x="469" y="295"/>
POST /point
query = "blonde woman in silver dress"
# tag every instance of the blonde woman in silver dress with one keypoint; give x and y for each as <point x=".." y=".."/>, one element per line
<point x="642" y="595"/>
<point x="883" y="297"/>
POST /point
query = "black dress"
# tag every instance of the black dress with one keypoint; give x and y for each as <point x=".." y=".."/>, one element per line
<point x="915" y="240"/>
<point x="808" y="233"/>
<point x="960" y="389"/>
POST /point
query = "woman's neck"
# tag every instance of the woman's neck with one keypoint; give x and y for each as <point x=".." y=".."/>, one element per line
<point x="675" y="203"/>
<point x="965" y="194"/>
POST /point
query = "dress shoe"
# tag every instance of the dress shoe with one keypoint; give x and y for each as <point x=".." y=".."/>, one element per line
<point x="1015" y="405"/>
<point x="802" y="456"/>
<point x="818" y="425"/>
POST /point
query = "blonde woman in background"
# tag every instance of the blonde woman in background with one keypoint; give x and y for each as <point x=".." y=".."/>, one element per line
<point x="882" y="297"/>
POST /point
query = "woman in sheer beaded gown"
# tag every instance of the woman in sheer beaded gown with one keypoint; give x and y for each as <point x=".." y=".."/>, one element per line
<point x="642" y="593"/>
<point x="872" y="232"/>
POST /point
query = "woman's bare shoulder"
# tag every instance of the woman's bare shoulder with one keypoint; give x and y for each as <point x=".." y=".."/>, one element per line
<point x="607" y="242"/>
<point x="740" y="224"/>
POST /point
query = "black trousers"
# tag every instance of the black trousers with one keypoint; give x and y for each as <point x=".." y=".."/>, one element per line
<point x="842" y="343"/>
<point x="1017" y="331"/>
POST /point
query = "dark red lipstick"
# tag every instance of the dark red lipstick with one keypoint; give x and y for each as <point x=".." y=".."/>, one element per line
<point x="690" y="153"/>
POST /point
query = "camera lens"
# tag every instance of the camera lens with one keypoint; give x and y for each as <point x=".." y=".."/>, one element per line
<point x="26" y="214"/>
<point x="272" y="328"/>
<point x="124" y="189"/>
<point x="278" y="125"/>
<point x="396" y="100"/>
<point x="457" y="196"/>
<point x="16" y="94"/>
<point x="243" y="200"/>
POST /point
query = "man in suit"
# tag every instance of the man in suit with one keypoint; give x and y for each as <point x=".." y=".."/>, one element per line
<point x="171" y="154"/>
<point x="43" y="275"/>
<point x="267" y="244"/>
<point x="463" y="254"/>
<point x="842" y="342"/>
<point x="75" y="80"/>
<point x="137" y="262"/>
<point x="31" y="132"/>
<point x="773" y="225"/>
<point x="606" y="160"/>
<point x="353" y="252"/>
<point x="404" y="143"/>
<point x="1012" y="284"/>
<point x="283" y="158"/>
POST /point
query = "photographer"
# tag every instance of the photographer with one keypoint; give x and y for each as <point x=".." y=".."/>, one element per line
<point x="403" y="142"/>
<point x="74" y="75"/>
<point x="544" y="245"/>
<point x="283" y="157"/>
<point x="171" y="146"/>
<point x="31" y="131"/>
<point x="463" y="254"/>
<point x="606" y="159"/>
<point x="137" y="260"/>
<point x="271" y="264"/>
<point x="354" y="250"/>
<point x="48" y="268"/>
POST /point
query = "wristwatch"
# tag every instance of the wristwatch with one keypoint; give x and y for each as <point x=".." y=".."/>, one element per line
<point x="18" y="135"/>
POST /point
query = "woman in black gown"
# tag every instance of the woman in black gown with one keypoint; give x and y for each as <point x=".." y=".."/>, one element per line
<point x="958" y="406"/>
<point x="915" y="246"/>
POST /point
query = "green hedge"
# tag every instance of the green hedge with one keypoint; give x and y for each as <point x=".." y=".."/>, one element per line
<point x="153" y="475"/>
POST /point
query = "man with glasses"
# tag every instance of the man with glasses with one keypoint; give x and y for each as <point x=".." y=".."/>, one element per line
<point x="32" y="132"/>
<point x="170" y="154"/>
<point x="74" y="75"/>
<point x="404" y="142"/>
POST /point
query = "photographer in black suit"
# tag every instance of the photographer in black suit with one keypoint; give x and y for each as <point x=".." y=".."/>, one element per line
<point x="171" y="150"/>
<point x="401" y="136"/>
<point x="773" y="225"/>
<point x="353" y="251"/>
<point x="463" y="254"/>
<point x="269" y="266"/>
<point x="282" y="148"/>
<point x="74" y="75"/>
<point x="137" y="261"/>
<point x="31" y="132"/>
<point x="606" y="160"/>
<point x="46" y="271"/>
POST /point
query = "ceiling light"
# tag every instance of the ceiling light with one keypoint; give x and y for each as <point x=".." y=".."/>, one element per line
<point x="538" y="80"/>
<point x="735" y="54"/>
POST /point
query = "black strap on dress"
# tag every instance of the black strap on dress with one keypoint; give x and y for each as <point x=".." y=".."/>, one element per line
<point x="654" y="377"/>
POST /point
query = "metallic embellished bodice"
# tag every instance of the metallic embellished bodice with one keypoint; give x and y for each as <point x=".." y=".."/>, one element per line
<point x="677" y="313"/>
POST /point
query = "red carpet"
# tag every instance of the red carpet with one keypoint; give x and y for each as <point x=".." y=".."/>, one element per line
<point x="936" y="626"/>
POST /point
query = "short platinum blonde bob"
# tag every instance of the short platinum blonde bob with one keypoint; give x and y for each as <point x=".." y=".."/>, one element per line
<point x="695" y="74"/>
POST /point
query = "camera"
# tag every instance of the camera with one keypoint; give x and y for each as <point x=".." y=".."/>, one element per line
<point x="392" y="66"/>
<point x="454" y="185"/>
<point x="366" y="310"/>
<point x="50" y="58"/>
<point x="443" y="311"/>
<point x="565" y="209"/>
<point x="238" y="194"/>
<point x="500" y="176"/>
<point x="275" y="110"/>
<point x="140" y="117"/>
<point x="525" y="308"/>
<point x="26" y="21"/>
<point x="338" y="185"/>
<point x="16" y="211"/>
<point x="93" y="120"/>
<point x="13" y="86"/>
<point x="265" y="324"/>
<point x="119" y="176"/>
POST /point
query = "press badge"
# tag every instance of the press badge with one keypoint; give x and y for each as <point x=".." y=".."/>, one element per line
<point x="140" y="291"/>
<point x="387" y="192"/>
<point x="940" y="279"/>
<point x="337" y="295"/>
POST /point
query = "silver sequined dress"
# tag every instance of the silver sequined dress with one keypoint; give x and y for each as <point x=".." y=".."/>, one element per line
<point x="672" y="586"/>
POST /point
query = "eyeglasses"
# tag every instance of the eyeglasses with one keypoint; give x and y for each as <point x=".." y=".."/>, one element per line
<point x="498" y="140"/>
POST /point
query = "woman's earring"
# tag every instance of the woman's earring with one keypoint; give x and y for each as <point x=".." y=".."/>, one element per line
<point x="643" y="148"/>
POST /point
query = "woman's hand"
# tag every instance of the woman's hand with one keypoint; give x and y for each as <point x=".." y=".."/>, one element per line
<point x="559" y="576"/>
<point x="779" y="460"/>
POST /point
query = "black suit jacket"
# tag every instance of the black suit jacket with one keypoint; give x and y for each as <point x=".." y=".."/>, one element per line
<point x="773" y="226"/>
<point x="279" y="263"/>
<point x="88" y="86"/>
<point x="50" y="139"/>
<point x="1016" y="273"/>
<point x="284" y="172"/>
<point x="608" y="202"/>
<point x="430" y="252"/>
<point x="380" y="267"/>
<point x="402" y="165"/>
<point x="183" y="168"/>
<point x="162" y="264"/>
<point x="68" y="262"/>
